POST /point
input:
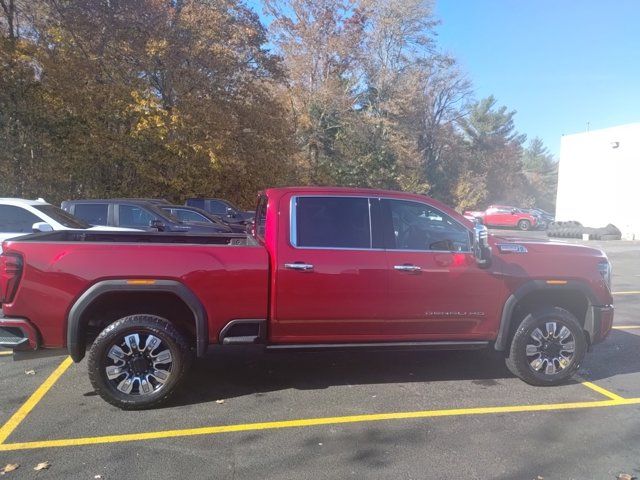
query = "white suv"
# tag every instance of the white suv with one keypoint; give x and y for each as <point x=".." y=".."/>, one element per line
<point x="22" y="217"/>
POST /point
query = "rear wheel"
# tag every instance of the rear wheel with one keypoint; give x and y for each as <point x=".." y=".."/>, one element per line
<point x="547" y="347"/>
<point x="524" y="225"/>
<point x="137" y="361"/>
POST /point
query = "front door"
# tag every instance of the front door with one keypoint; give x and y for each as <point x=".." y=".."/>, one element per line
<point x="331" y="279"/>
<point x="436" y="289"/>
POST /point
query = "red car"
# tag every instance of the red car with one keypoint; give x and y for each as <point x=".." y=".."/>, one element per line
<point x="504" y="216"/>
<point x="326" y="268"/>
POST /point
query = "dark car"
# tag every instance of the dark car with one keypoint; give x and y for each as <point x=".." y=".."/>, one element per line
<point x="225" y="210"/>
<point x="196" y="215"/>
<point x="131" y="213"/>
<point x="544" y="218"/>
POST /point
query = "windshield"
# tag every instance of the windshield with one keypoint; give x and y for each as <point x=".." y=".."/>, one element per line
<point x="63" y="218"/>
<point x="162" y="213"/>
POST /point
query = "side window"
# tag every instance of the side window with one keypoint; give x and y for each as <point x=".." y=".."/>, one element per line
<point x="189" y="216"/>
<point x="16" y="220"/>
<point x="261" y="217"/>
<point x="331" y="222"/>
<point x="93" y="213"/>
<point x="418" y="226"/>
<point x="217" y="207"/>
<point x="133" y="216"/>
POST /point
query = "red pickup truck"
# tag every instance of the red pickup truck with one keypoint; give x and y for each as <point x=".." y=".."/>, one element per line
<point x="325" y="268"/>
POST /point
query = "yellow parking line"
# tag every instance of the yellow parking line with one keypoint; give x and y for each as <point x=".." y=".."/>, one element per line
<point x="6" y="353"/>
<point x="625" y="327"/>
<point x="631" y="292"/>
<point x="8" y="428"/>
<point x="602" y="391"/>
<point x="310" y="422"/>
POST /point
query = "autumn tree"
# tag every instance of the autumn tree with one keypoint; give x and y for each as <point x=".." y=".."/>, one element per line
<point x="160" y="98"/>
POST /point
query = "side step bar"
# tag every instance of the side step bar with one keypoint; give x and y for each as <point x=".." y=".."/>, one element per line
<point x="470" y="345"/>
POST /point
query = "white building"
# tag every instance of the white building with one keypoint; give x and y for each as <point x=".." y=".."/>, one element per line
<point x="599" y="179"/>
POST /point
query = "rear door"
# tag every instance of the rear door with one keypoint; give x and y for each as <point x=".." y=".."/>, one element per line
<point x="331" y="272"/>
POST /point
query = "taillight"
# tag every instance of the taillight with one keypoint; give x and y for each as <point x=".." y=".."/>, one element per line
<point x="10" y="271"/>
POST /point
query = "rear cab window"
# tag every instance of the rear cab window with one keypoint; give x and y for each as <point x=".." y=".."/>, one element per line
<point x="261" y="218"/>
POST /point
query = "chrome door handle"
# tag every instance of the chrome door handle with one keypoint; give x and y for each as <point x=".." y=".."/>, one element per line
<point x="305" y="267"/>
<point x="407" y="268"/>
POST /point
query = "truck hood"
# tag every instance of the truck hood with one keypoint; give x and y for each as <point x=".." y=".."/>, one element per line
<point x="548" y="246"/>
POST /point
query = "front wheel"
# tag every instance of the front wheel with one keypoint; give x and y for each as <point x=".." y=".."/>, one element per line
<point x="524" y="225"/>
<point x="137" y="361"/>
<point x="547" y="347"/>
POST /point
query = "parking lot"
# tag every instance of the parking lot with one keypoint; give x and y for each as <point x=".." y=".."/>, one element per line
<point x="342" y="415"/>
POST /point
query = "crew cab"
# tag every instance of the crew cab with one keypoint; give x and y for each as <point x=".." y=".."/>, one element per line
<point x="325" y="268"/>
<point x="504" y="216"/>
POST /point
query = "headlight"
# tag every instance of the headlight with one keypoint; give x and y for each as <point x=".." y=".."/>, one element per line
<point x="604" y="267"/>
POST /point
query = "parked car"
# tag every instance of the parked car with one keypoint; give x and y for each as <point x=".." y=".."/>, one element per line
<point x="197" y="215"/>
<point x="134" y="214"/>
<point x="543" y="218"/>
<point x="22" y="217"/>
<point x="504" y="216"/>
<point x="225" y="210"/>
<point x="328" y="268"/>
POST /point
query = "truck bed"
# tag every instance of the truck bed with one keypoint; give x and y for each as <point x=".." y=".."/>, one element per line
<point x="228" y="273"/>
<point x="140" y="237"/>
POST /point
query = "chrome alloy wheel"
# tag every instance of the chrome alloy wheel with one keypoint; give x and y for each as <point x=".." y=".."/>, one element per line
<point x="550" y="351"/>
<point x="140" y="364"/>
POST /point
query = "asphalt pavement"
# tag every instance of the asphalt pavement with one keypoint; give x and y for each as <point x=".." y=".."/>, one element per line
<point x="387" y="415"/>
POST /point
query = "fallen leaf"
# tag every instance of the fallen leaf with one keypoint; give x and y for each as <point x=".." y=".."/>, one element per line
<point x="10" y="467"/>
<point x="29" y="372"/>
<point x="98" y="476"/>
<point x="219" y="401"/>
<point x="42" y="466"/>
<point x="626" y="476"/>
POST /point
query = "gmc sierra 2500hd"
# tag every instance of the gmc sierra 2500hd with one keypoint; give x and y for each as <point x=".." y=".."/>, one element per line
<point x="324" y="268"/>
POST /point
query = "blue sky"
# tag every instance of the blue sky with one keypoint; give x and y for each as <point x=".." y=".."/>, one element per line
<point x="560" y="63"/>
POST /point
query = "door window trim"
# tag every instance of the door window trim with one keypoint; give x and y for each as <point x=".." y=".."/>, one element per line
<point x="293" y="225"/>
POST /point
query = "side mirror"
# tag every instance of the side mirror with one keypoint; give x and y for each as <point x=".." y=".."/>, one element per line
<point x="40" y="227"/>
<point x="157" y="224"/>
<point x="514" y="211"/>
<point x="230" y="212"/>
<point x="481" y="247"/>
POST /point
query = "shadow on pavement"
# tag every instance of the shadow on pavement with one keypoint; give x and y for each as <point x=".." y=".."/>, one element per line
<point x="235" y="373"/>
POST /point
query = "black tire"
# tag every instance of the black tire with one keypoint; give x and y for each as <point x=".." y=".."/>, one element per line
<point x="607" y="236"/>
<point x="524" y="225"/>
<point x="115" y="335"/>
<point x="520" y="363"/>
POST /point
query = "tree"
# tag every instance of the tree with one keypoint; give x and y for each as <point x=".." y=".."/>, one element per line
<point x="494" y="155"/>
<point x="153" y="98"/>
<point x="541" y="170"/>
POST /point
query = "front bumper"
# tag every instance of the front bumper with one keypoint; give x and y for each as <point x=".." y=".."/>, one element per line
<point x="603" y="321"/>
<point x="18" y="334"/>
